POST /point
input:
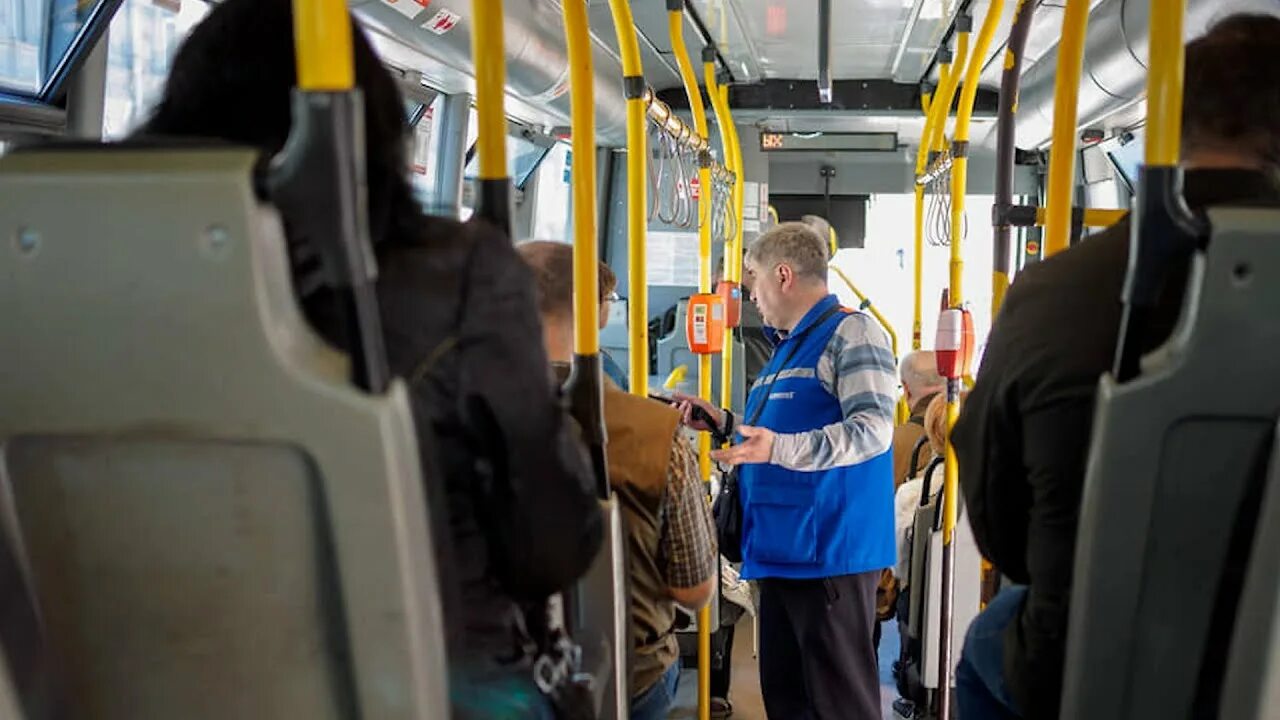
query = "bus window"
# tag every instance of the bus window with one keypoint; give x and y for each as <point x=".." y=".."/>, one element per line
<point x="523" y="157"/>
<point x="551" y="195"/>
<point x="423" y="159"/>
<point x="144" y="36"/>
<point x="37" y="40"/>
<point x="1127" y="156"/>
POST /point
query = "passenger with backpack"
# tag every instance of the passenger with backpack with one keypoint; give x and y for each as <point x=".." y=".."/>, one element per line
<point x="506" y="475"/>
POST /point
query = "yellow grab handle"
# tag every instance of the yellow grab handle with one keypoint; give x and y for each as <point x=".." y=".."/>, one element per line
<point x="586" y="256"/>
<point x="489" y="50"/>
<point x="637" y="196"/>
<point x="322" y="39"/>
<point x="1062" y="153"/>
<point x="1164" y="83"/>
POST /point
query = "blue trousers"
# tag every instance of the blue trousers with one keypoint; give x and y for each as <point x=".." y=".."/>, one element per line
<point x="655" y="703"/>
<point x="981" y="692"/>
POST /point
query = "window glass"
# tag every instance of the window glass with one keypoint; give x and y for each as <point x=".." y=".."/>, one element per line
<point x="145" y="34"/>
<point x="551" y="196"/>
<point x="37" y="38"/>
<point x="1128" y="158"/>
<point x="523" y="157"/>
<point x="423" y="157"/>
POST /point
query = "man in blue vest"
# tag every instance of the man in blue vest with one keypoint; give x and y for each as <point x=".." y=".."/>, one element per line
<point x="816" y="483"/>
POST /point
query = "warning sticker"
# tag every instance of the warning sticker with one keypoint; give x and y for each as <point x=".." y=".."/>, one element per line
<point x="408" y="8"/>
<point x="443" y="21"/>
<point x="694" y="188"/>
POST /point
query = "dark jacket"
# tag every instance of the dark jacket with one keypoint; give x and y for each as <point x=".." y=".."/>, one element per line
<point x="1022" y="440"/>
<point x="499" y="452"/>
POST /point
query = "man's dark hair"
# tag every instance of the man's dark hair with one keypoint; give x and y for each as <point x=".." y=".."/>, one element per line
<point x="233" y="78"/>
<point x="1232" y="90"/>
<point x="552" y="265"/>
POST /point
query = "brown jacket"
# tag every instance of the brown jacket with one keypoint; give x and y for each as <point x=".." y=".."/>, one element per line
<point x="905" y="438"/>
<point x="641" y="433"/>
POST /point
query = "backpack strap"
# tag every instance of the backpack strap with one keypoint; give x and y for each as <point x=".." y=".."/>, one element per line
<point x="914" y="467"/>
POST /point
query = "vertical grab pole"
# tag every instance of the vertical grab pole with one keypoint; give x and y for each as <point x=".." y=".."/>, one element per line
<point x="488" y="49"/>
<point x="959" y="187"/>
<point x="1062" y="153"/>
<point x="675" y="27"/>
<point x="586" y="379"/>
<point x="733" y="272"/>
<point x="922" y="161"/>
<point x="960" y="146"/>
<point x="947" y="91"/>
<point x="633" y="87"/>
<point x="723" y="121"/>
<point x="1006" y="147"/>
<point x="1164" y="229"/>
<point x="328" y="124"/>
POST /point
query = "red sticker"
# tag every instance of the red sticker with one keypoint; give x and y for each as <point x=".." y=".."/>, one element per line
<point x="408" y="8"/>
<point x="695" y="188"/>
<point x="443" y="21"/>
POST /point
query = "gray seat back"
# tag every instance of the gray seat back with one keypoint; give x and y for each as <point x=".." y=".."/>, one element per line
<point x="1252" y="687"/>
<point x="214" y="521"/>
<point x="1173" y="486"/>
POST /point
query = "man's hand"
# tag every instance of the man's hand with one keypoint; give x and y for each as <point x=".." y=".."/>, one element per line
<point x="757" y="449"/>
<point x="686" y="403"/>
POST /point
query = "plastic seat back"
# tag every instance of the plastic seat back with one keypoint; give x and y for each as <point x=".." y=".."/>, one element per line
<point x="214" y="522"/>
<point x="1174" y="484"/>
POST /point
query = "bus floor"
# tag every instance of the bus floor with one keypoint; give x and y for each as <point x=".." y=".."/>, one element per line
<point x="744" y="688"/>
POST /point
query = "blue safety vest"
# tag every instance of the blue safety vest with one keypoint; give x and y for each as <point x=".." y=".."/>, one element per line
<point x="817" y="524"/>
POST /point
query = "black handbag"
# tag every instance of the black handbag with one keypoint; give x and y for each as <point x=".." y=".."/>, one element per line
<point x="726" y="509"/>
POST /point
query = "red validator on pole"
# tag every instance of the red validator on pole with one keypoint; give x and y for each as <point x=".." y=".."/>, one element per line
<point x="955" y="340"/>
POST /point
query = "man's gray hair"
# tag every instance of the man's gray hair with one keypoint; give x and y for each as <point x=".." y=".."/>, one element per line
<point x="794" y="244"/>
<point x="920" y="372"/>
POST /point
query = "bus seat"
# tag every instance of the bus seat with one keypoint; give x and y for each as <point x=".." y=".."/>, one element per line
<point x="1161" y="516"/>
<point x="214" y="521"/>
<point x="602" y="625"/>
<point x="1252" y="687"/>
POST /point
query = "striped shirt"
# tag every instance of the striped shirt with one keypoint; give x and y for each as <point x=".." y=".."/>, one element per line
<point x="857" y="367"/>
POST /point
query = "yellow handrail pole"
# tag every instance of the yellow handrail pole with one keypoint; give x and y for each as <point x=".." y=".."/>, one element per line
<point x="488" y="50"/>
<point x="959" y="189"/>
<point x="739" y="188"/>
<point x="586" y="259"/>
<point x="637" y="195"/>
<point x="903" y="413"/>
<point x="322" y="34"/>
<point x="723" y="121"/>
<point x="922" y="161"/>
<point x="947" y="93"/>
<point x="1093" y="217"/>
<point x="1164" y="83"/>
<point x="1062" y="153"/>
<point x="675" y="27"/>
<point x="960" y="166"/>
<point x="937" y="127"/>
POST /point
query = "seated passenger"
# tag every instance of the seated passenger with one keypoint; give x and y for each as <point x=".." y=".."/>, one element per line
<point x="907" y="498"/>
<point x="499" y="454"/>
<point x="921" y="383"/>
<point x="671" y="545"/>
<point x="1023" y="438"/>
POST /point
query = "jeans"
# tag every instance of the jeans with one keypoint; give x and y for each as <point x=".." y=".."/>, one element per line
<point x="655" y="703"/>
<point x="981" y="692"/>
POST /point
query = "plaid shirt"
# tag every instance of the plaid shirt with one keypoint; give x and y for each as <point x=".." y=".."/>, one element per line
<point x="688" y="534"/>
